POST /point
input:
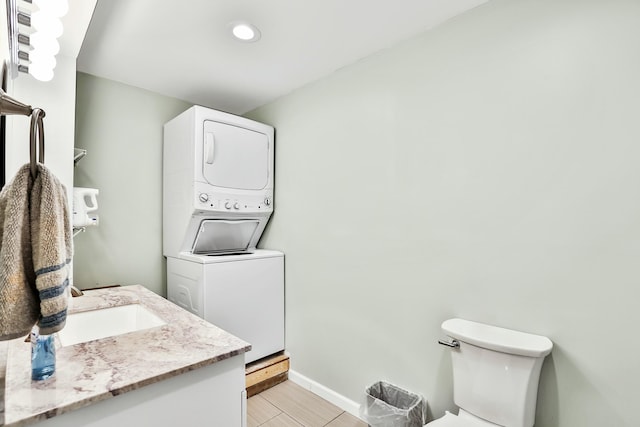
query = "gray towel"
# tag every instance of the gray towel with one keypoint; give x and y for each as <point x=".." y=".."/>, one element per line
<point x="35" y="252"/>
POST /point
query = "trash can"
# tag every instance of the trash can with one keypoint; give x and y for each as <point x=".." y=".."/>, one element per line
<point x="390" y="406"/>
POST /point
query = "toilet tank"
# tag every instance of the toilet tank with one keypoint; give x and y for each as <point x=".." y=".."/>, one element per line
<point x="496" y="371"/>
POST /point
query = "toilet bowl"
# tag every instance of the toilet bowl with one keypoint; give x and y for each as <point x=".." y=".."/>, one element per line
<point x="495" y="375"/>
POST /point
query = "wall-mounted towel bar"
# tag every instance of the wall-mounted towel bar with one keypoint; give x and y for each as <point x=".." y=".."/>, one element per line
<point x="11" y="106"/>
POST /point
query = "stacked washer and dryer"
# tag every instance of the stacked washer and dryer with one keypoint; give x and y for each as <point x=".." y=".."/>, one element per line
<point x="217" y="199"/>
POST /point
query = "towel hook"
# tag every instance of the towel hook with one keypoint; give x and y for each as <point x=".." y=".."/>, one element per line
<point x="37" y="127"/>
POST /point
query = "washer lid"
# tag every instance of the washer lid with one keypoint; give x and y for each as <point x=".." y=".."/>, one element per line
<point x="498" y="339"/>
<point x="221" y="258"/>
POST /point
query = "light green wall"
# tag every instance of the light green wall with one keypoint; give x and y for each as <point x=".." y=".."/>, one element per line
<point x="487" y="170"/>
<point x="121" y="128"/>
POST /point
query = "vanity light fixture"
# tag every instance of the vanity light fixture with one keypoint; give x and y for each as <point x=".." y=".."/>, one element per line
<point x="44" y="27"/>
<point x="245" y="31"/>
<point x="57" y="8"/>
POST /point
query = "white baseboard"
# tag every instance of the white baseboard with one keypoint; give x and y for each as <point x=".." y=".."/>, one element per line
<point x="326" y="393"/>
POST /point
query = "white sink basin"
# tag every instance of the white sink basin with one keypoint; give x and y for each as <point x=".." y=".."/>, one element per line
<point x="107" y="322"/>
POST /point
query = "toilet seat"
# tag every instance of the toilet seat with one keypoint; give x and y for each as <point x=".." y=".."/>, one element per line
<point x="463" y="420"/>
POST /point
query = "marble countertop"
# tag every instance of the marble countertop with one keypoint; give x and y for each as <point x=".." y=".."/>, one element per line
<point x="89" y="372"/>
<point x="3" y="367"/>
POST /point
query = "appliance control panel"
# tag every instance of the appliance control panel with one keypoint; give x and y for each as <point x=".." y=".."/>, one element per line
<point x="221" y="202"/>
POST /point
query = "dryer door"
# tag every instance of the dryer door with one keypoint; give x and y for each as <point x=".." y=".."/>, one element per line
<point x="234" y="157"/>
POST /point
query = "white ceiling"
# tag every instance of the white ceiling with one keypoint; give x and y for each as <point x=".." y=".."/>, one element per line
<point x="184" y="49"/>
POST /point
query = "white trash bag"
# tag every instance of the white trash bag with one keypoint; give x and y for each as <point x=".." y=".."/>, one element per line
<point x="390" y="406"/>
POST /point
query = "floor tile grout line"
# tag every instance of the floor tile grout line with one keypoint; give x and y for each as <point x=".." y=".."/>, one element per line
<point x="333" y="419"/>
<point x="288" y="415"/>
<point x="274" y="405"/>
<point x="294" y="418"/>
<point x="266" y="421"/>
<point x="282" y="411"/>
<point x="270" y="403"/>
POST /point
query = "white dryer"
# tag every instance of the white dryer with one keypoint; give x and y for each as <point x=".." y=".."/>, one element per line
<point x="217" y="182"/>
<point x="242" y="294"/>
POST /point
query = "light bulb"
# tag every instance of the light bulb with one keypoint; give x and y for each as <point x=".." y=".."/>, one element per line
<point x="41" y="65"/>
<point x="41" y="60"/>
<point x="41" y="73"/>
<point x="47" y="24"/>
<point x="57" y="8"/>
<point x="245" y="32"/>
<point x="42" y="43"/>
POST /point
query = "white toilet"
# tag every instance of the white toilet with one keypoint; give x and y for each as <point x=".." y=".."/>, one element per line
<point x="495" y="375"/>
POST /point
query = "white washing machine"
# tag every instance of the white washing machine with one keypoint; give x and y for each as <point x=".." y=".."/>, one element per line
<point x="242" y="294"/>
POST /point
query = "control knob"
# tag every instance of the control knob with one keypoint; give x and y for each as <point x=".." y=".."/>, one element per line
<point x="267" y="201"/>
<point x="204" y="197"/>
<point x="227" y="204"/>
<point x="236" y="206"/>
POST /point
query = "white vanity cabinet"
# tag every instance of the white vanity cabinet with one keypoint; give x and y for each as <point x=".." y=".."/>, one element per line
<point x="185" y="372"/>
<point x="213" y="396"/>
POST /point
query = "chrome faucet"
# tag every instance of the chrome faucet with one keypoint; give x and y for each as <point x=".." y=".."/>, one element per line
<point x="75" y="292"/>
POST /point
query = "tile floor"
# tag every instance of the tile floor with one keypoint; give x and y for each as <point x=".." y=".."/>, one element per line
<point x="289" y="405"/>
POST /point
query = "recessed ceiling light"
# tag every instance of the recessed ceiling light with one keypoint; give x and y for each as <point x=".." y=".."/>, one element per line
<point x="244" y="31"/>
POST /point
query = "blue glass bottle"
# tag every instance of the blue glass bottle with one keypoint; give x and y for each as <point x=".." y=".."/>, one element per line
<point x="43" y="355"/>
